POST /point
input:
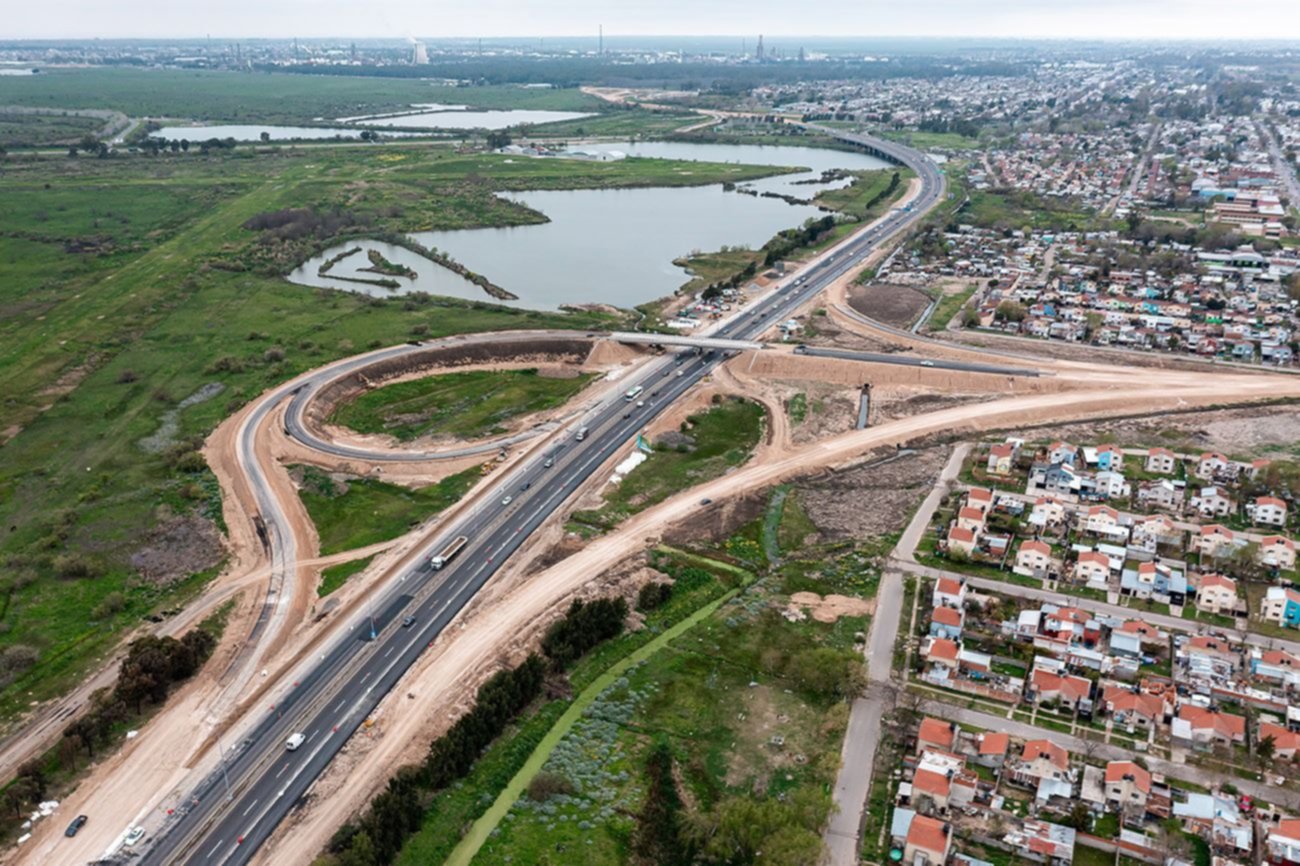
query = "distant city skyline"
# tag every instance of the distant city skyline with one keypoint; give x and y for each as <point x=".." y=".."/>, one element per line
<point x="1086" y="19"/>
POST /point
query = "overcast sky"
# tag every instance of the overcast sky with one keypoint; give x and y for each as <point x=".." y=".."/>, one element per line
<point x="1119" y="19"/>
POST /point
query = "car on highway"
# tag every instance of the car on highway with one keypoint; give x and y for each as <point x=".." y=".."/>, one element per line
<point x="135" y="834"/>
<point x="527" y="485"/>
<point x="627" y="414"/>
<point x="77" y="823"/>
<point x="295" y="740"/>
<point x="548" y="463"/>
<point x="681" y="373"/>
<point x="507" y="500"/>
<point x="640" y="404"/>
<point x="407" y="622"/>
<point x="927" y="363"/>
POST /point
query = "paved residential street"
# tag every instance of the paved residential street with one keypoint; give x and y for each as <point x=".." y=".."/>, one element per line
<point x="857" y="759"/>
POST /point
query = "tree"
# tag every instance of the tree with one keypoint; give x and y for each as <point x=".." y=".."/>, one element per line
<point x="497" y="139"/>
<point x="1265" y="750"/>
<point x="266" y="136"/>
<point x="185" y="145"/>
<point x="1010" y="311"/>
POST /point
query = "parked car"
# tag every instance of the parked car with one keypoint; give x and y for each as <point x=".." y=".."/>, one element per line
<point x="77" y="823"/>
<point x="135" y="834"/>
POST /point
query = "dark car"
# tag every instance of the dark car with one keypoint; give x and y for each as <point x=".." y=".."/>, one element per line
<point x="408" y="622"/>
<point x="77" y="823"/>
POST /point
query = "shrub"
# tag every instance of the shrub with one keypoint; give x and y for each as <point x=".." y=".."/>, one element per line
<point x="113" y="603"/>
<point x="545" y="785"/>
<point x="75" y="565"/>
<point x="273" y="355"/>
<point x="653" y="595"/>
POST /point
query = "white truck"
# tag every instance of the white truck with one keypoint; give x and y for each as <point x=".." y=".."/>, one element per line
<point x="445" y="556"/>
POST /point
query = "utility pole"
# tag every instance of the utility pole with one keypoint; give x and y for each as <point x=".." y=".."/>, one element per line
<point x="226" y="778"/>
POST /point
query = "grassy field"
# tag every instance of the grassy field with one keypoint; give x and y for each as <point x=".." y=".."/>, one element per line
<point x="466" y="405"/>
<point x="707" y="268"/>
<point x="932" y="140"/>
<point x="724" y="437"/>
<point x="263" y="97"/>
<point x="856" y="199"/>
<point x="633" y="123"/>
<point x="35" y="130"/>
<point x="132" y="285"/>
<point x="718" y="695"/>
<point x="1018" y="209"/>
<point x="699" y="583"/>
<point x="949" y="305"/>
<point x="361" y="511"/>
<point x="336" y="575"/>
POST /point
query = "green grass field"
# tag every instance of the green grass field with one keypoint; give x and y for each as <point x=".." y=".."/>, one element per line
<point x="362" y="511"/>
<point x="39" y="130"/>
<point x="467" y="405"/>
<point x="131" y="284"/>
<point x="724" y="437"/>
<point x="261" y="96"/>
<point x="335" y="576"/>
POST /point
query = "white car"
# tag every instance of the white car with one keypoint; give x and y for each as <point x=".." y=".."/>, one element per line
<point x="927" y="363"/>
<point x="135" y="834"/>
<point x="507" y="500"/>
<point x="295" y="741"/>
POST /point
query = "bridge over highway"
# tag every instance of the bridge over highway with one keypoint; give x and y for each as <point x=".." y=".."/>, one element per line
<point x="724" y="343"/>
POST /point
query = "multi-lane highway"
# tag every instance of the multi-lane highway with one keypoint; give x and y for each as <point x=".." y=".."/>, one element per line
<point x="236" y="808"/>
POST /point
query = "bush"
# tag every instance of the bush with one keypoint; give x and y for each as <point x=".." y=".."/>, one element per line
<point x="113" y="603"/>
<point x="273" y="355"/>
<point x="126" y="377"/>
<point x="654" y="594"/>
<point x="75" y="565"/>
<point x="545" y="785"/>
<point x="16" y="659"/>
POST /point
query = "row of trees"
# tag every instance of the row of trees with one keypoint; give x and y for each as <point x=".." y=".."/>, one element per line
<point x="153" y="665"/>
<point x="392" y="817"/>
<point x="790" y="240"/>
<point x="585" y="625"/>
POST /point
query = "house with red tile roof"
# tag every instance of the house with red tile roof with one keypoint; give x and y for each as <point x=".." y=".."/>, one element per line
<point x="1267" y="511"/>
<point x="1286" y="742"/>
<point x="1217" y="594"/>
<point x="991" y="748"/>
<point x="948" y="592"/>
<point x="1204" y="725"/>
<point x="941" y="651"/>
<point x="1127" y="785"/>
<point x="929" y="839"/>
<point x="1213" y="540"/>
<point x="935" y="735"/>
<point x="1065" y="690"/>
<point x="947" y="622"/>
<point x="961" y="540"/>
<point x="1277" y="551"/>
<point x="1161" y="461"/>
<point x="1129" y="707"/>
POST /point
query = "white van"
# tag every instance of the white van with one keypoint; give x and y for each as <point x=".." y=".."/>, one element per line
<point x="295" y="741"/>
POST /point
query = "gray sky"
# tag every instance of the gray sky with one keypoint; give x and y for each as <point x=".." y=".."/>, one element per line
<point x="1119" y="19"/>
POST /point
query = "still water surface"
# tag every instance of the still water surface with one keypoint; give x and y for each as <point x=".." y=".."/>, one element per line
<point x="608" y="246"/>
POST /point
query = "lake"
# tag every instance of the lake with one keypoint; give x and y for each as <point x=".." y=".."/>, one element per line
<point x="494" y="119"/>
<point x="253" y="132"/>
<point x="612" y="246"/>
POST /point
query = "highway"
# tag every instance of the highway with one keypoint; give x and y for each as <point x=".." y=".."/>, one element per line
<point x="237" y="807"/>
<point x="912" y="361"/>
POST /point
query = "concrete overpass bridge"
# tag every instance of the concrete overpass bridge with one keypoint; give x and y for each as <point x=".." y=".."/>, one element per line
<point x="685" y="340"/>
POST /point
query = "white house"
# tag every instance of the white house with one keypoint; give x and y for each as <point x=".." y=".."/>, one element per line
<point x="1213" y="502"/>
<point x="1161" y="461"/>
<point x="1267" y="511"/>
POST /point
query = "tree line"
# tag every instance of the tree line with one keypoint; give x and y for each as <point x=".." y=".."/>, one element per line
<point x="396" y="814"/>
<point x="790" y="240"/>
<point x="152" y="667"/>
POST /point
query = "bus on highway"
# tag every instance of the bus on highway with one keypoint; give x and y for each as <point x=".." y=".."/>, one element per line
<point x="633" y="393"/>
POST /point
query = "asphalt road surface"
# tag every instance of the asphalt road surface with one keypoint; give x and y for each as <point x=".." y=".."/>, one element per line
<point x="910" y="361"/>
<point x="233" y="811"/>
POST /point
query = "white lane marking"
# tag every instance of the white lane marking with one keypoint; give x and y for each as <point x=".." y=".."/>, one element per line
<point x="340" y="706"/>
<point x="214" y="850"/>
<point x="250" y="807"/>
<point x="390" y="652"/>
<point x="282" y="769"/>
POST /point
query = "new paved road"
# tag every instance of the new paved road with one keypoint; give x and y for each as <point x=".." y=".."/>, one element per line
<point x="223" y="826"/>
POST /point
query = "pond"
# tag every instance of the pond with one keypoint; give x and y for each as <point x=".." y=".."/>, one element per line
<point x="253" y="132"/>
<point x="613" y="246"/>
<point x="465" y="119"/>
